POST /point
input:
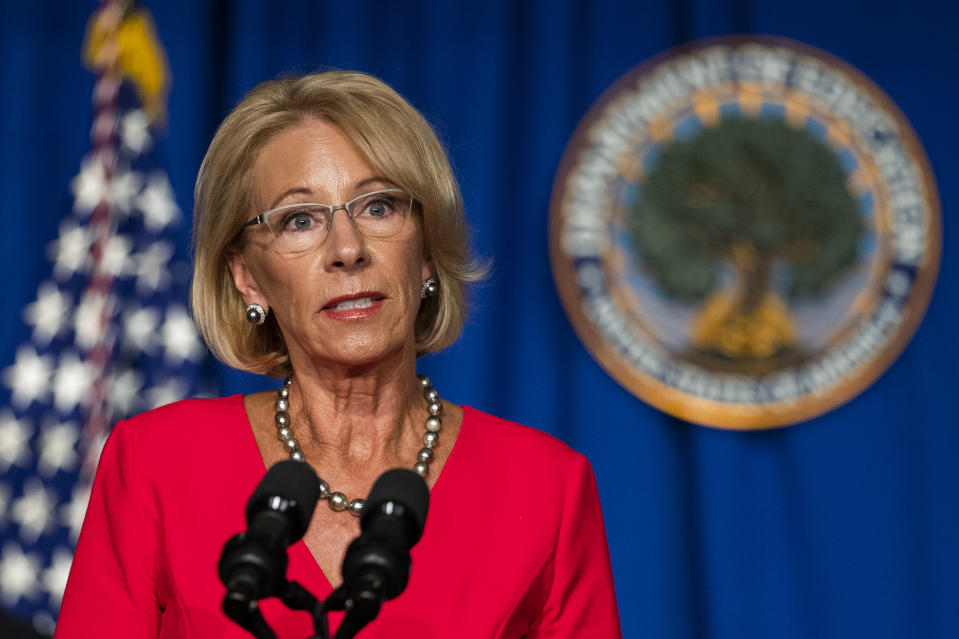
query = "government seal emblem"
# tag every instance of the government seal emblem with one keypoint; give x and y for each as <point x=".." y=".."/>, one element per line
<point x="745" y="232"/>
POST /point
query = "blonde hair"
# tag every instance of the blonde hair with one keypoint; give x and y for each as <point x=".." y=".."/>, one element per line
<point x="398" y="143"/>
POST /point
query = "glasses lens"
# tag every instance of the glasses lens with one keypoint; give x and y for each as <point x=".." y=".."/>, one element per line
<point x="303" y="227"/>
<point x="381" y="213"/>
<point x="300" y="227"/>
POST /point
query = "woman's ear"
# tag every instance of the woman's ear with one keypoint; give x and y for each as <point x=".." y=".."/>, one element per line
<point x="243" y="279"/>
<point x="427" y="270"/>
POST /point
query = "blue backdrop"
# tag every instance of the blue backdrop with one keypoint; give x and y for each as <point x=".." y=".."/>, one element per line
<point x="844" y="526"/>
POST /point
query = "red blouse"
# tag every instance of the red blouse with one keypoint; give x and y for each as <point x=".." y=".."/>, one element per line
<point x="514" y="544"/>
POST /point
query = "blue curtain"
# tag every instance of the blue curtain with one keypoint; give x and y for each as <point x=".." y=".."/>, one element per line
<point x="843" y="526"/>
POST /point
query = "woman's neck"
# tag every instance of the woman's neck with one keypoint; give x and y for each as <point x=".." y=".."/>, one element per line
<point x="357" y="414"/>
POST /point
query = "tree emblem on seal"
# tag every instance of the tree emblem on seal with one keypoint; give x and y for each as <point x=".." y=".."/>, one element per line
<point x="742" y="219"/>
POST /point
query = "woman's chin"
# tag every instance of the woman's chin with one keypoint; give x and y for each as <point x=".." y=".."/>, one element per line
<point x="362" y="353"/>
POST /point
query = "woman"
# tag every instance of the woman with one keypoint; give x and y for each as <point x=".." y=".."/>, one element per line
<point x="331" y="250"/>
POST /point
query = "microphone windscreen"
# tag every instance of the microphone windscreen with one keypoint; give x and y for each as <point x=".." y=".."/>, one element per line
<point x="403" y="486"/>
<point x="295" y="484"/>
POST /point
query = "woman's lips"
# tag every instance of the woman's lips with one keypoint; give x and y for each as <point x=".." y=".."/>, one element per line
<point x="353" y="307"/>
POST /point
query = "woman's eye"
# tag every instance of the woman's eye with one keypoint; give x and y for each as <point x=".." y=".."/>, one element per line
<point x="379" y="208"/>
<point x="298" y="221"/>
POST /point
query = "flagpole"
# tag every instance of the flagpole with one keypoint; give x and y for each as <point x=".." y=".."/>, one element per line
<point x="103" y="136"/>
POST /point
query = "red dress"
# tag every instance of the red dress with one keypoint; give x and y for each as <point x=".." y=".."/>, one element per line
<point x="514" y="544"/>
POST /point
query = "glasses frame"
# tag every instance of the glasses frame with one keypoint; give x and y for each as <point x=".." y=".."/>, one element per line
<point x="263" y="218"/>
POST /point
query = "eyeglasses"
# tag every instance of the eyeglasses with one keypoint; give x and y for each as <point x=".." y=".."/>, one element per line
<point x="297" y="228"/>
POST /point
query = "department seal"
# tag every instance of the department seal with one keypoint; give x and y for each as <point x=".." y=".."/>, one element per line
<point x="745" y="232"/>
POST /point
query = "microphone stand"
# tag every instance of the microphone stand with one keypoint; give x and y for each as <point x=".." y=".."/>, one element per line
<point x="360" y="610"/>
<point x="296" y="597"/>
<point x="248" y="615"/>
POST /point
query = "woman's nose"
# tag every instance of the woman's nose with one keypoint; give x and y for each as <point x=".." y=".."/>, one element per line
<point x="345" y="245"/>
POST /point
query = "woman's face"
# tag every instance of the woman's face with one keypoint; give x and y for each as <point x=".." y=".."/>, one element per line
<point x="353" y="299"/>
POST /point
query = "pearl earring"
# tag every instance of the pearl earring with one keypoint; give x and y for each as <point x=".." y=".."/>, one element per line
<point x="255" y="314"/>
<point x="430" y="288"/>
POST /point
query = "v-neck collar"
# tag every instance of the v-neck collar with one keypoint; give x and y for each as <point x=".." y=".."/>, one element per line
<point x="303" y="566"/>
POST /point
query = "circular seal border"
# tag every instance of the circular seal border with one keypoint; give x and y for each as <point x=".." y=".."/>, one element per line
<point x="743" y="415"/>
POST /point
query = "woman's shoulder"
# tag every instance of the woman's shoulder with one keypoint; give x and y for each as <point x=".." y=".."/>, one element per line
<point x="185" y="441"/>
<point x="496" y="436"/>
<point x="190" y="418"/>
<point x="543" y="477"/>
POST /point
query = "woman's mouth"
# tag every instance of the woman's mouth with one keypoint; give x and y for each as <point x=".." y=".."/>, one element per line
<point x="354" y="307"/>
<point x="360" y="302"/>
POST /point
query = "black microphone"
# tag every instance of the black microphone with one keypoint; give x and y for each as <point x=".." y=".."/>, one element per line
<point x="253" y="563"/>
<point x="376" y="567"/>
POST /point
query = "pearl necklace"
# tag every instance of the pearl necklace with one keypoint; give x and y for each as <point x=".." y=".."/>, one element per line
<point x="337" y="500"/>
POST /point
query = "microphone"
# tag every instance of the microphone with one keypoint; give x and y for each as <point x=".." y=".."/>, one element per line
<point x="376" y="566"/>
<point x="253" y="563"/>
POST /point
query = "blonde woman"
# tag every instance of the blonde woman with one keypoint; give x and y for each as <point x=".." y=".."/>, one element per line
<point x="331" y="251"/>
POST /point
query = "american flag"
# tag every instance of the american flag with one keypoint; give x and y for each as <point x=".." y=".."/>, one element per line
<point x="108" y="335"/>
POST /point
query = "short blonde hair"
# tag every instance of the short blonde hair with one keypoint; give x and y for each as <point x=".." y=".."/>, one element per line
<point x="398" y="143"/>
